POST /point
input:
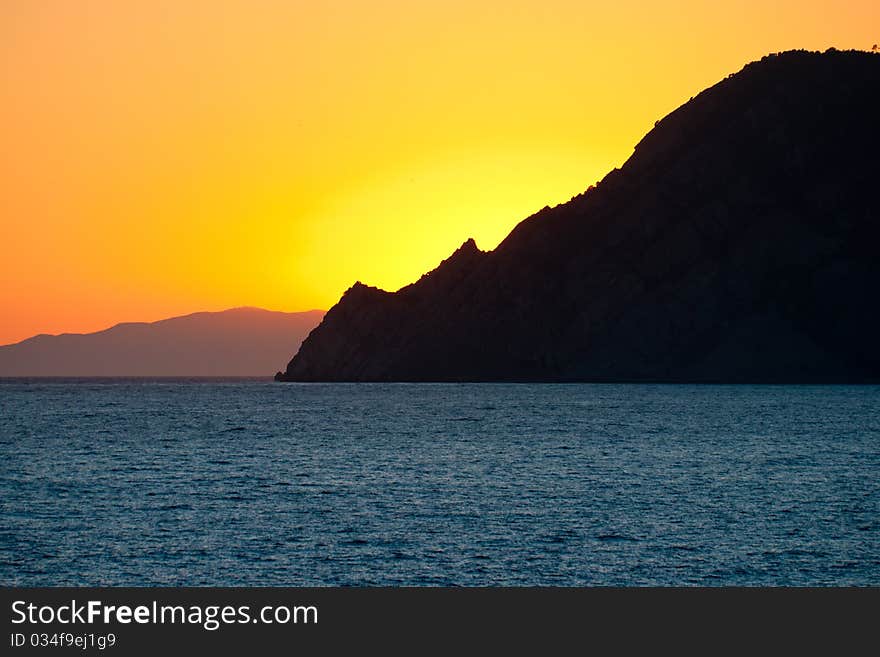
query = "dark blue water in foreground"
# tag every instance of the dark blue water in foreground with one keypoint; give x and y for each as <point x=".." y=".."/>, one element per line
<point x="258" y="483"/>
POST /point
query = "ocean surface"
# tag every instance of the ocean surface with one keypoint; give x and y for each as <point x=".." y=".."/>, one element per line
<point x="246" y="482"/>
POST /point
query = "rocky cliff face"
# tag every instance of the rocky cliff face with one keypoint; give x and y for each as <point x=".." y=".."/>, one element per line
<point x="738" y="243"/>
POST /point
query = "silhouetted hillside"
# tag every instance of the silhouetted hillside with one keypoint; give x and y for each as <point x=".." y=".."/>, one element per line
<point x="739" y="242"/>
<point x="238" y="342"/>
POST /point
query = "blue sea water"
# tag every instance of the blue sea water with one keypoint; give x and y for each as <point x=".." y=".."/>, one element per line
<point x="172" y="482"/>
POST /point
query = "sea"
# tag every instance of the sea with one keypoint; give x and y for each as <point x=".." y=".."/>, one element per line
<point x="237" y="482"/>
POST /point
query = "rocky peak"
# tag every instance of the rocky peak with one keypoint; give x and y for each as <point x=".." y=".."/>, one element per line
<point x="736" y="244"/>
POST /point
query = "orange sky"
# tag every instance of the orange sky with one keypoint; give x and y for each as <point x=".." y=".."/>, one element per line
<point x="164" y="157"/>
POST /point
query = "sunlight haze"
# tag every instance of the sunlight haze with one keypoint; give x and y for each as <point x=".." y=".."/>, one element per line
<point x="161" y="158"/>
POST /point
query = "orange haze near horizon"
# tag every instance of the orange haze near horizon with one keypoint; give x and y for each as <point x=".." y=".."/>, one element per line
<point x="165" y="157"/>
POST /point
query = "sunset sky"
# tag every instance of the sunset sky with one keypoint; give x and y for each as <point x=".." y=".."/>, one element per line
<point x="169" y="156"/>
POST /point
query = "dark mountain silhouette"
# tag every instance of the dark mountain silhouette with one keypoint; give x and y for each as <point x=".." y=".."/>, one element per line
<point x="739" y="242"/>
<point x="238" y="342"/>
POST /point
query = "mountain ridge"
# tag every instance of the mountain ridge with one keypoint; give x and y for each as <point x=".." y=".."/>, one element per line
<point x="235" y="342"/>
<point x="737" y="243"/>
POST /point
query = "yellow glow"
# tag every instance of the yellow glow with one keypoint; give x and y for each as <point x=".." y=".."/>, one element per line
<point x="164" y="157"/>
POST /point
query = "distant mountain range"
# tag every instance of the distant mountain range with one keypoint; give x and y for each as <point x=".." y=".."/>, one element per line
<point x="237" y="342"/>
<point x="739" y="242"/>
